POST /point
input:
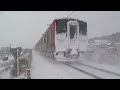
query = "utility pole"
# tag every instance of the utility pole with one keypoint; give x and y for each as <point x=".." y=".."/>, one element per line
<point x="10" y="50"/>
<point x="17" y="63"/>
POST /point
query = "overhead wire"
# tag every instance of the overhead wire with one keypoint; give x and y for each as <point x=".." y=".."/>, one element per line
<point x="70" y="14"/>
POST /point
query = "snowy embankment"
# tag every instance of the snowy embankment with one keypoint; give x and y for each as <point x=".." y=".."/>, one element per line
<point x="103" y="58"/>
<point x="45" y="68"/>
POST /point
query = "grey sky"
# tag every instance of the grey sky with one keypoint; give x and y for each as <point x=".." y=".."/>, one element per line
<point x="23" y="28"/>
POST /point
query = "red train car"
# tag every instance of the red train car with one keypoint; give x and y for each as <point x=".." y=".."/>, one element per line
<point x="63" y="36"/>
<point x="47" y="42"/>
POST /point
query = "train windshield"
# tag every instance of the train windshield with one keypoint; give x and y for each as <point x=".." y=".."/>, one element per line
<point x="73" y="31"/>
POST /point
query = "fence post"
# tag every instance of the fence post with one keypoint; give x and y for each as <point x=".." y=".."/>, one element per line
<point x="28" y="74"/>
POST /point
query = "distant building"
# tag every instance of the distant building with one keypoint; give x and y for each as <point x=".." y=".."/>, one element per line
<point x="102" y="42"/>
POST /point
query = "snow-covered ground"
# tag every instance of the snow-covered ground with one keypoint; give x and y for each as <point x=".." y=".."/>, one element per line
<point x="5" y="72"/>
<point x="5" y="68"/>
<point x="111" y="68"/>
<point x="45" y="68"/>
<point x="21" y="77"/>
<point x="103" y="58"/>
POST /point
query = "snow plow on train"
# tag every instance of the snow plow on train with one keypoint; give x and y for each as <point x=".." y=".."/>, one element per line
<point x="64" y="38"/>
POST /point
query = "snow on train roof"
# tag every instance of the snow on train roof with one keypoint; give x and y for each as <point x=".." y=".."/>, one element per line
<point x="69" y="19"/>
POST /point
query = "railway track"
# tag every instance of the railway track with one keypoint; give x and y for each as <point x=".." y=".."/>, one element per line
<point x="90" y="74"/>
<point x="93" y="71"/>
<point x="96" y="72"/>
<point x="78" y="69"/>
<point x="117" y="74"/>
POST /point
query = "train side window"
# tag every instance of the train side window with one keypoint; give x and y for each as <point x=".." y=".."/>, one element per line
<point x="45" y="39"/>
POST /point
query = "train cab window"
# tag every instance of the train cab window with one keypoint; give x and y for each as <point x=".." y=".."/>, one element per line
<point x="83" y="28"/>
<point x="73" y="31"/>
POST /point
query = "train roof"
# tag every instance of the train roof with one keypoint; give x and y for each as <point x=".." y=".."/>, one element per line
<point x="75" y="19"/>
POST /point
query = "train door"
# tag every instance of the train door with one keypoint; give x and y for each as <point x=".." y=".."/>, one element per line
<point x="73" y="36"/>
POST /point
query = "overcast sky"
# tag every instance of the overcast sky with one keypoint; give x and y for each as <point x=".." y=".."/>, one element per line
<point x="23" y="28"/>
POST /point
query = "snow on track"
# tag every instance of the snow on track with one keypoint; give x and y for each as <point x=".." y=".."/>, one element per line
<point x="45" y="68"/>
<point x="99" y="73"/>
<point x="109" y="68"/>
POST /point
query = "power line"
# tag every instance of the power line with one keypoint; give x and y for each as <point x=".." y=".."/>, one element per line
<point x="70" y="14"/>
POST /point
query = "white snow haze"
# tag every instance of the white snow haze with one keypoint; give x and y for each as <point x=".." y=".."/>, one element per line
<point x="24" y="28"/>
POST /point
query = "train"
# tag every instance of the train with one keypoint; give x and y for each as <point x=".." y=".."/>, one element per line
<point x="65" y="37"/>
